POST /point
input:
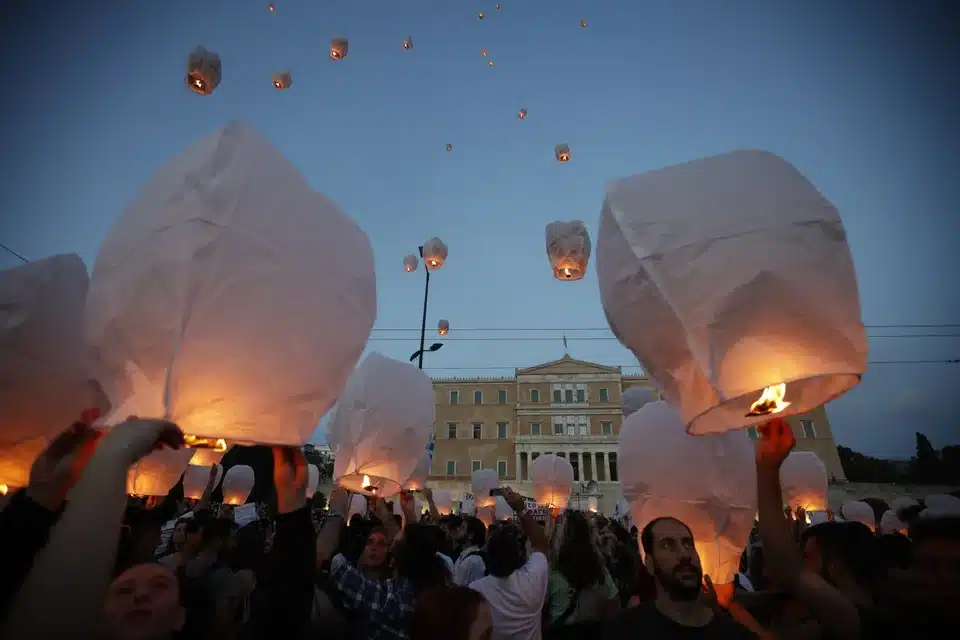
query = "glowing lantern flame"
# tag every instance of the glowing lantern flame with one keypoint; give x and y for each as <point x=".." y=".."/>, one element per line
<point x="367" y="486"/>
<point x="219" y="445"/>
<point x="4" y="489"/>
<point x="483" y="52"/>
<point x="480" y="15"/>
<point x="521" y="114"/>
<point x="490" y="63"/>
<point x="449" y="147"/>
<point x="583" y="24"/>
<point x="271" y="8"/>
<point x="771" y="401"/>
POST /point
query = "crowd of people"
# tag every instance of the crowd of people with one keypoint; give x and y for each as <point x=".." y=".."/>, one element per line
<point x="81" y="559"/>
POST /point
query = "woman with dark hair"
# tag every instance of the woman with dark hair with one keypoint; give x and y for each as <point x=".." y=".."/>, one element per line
<point x="580" y="591"/>
<point x="452" y="613"/>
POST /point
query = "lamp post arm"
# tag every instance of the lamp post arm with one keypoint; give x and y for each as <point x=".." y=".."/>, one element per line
<point x="423" y="321"/>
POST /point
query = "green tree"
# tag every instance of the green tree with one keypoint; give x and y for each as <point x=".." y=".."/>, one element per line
<point x="929" y="469"/>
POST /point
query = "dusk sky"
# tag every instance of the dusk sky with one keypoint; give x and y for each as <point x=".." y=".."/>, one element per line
<point x="856" y="94"/>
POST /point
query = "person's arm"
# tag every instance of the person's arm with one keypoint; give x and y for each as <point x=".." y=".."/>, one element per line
<point x="534" y="532"/>
<point x="203" y="504"/>
<point x="386" y="518"/>
<point x="434" y="514"/>
<point x="332" y="529"/>
<point x="837" y="615"/>
<point x="91" y="522"/>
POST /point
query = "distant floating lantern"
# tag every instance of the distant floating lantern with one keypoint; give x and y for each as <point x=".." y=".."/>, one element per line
<point x="480" y="15"/>
<point x="730" y="279"/>
<point x="522" y="114"/>
<point x="282" y="80"/>
<point x="583" y="24"/>
<point x="195" y="480"/>
<point x="489" y="63"/>
<point x="482" y="482"/>
<point x="443" y="327"/>
<point x="271" y="8"/>
<point x="410" y="263"/>
<point x="434" y="253"/>
<point x="449" y="147"/>
<point x="562" y="151"/>
<point x="497" y="7"/>
<point x="803" y="481"/>
<point x="408" y="44"/>
<point x="203" y="71"/>
<point x="483" y="52"/>
<point x="552" y="478"/>
<point x="237" y="484"/>
<point x="443" y="501"/>
<point x="634" y="398"/>
<point x="568" y="249"/>
<point x="338" y="48"/>
<point x="157" y="473"/>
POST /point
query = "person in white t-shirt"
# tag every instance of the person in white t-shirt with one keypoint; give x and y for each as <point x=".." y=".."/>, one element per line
<point x="516" y="584"/>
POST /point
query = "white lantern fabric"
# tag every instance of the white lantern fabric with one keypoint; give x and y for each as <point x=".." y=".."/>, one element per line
<point x="568" y="249"/>
<point x="501" y="509"/>
<point x="238" y="482"/>
<point x="633" y="398"/>
<point x="941" y="504"/>
<point x="890" y="523"/>
<point x="383" y="421"/>
<point x="410" y="263"/>
<point x="208" y="456"/>
<point x="157" y="473"/>
<point x="727" y="276"/>
<point x="418" y="479"/>
<point x="195" y="480"/>
<point x="803" y="481"/>
<point x="313" y="479"/>
<point x="818" y="517"/>
<point x="467" y="507"/>
<point x="481" y="483"/>
<point x="552" y="478"/>
<point x="249" y="303"/>
<point x="443" y="327"/>
<point x="902" y="503"/>
<point x="282" y="80"/>
<point x="43" y="376"/>
<point x="443" y="501"/>
<point x="434" y="252"/>
<point x="707" y="482"/>
<point x="859" y="511"/>
<point x="203" y="71"/>
<point x="358" y="506"/>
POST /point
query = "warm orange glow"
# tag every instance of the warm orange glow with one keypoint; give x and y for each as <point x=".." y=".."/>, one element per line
<point x="771" y="401"/>
<point x="522" y="114"/>
<point x="219" y="445"/>
<point x="480" y="15"/>
<point x="483" y="51"/>
<point x="434" y="263"/>
<point x="442" y="331"/>
<point x="367" y="486"/>
<point x="4" y="489"/>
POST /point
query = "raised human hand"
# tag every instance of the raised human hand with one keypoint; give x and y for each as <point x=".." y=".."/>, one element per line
<point x="290" y="478"/>
<point x="775" y="443"/>
<point x="60" y="465"/>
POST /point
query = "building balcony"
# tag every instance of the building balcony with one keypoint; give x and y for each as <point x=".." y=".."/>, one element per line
<point x="565" y="439"/>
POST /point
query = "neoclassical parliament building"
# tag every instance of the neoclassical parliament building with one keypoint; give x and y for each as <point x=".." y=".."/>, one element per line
<point x="568" y="407"/>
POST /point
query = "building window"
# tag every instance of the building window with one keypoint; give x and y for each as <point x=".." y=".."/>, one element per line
<point x="809" y="431"/>
<point x="604" y="396"/>
<point x="571" y="425"/>
<point x="752" y="433"/>
<point x="606" y="428"/>
<point x="558" y="428"/>
<point x="534" y="395"/>
<point x="478" y="397"/>
<point x="477" y="430"/>
<point x="476" y="465"/>
<point x="583" y="425"/>
<point x="561" y="454"/>
<point x="581" y="395"/>
<point x="501" y="431"/>
<point x="568" y="396"/>
<point x="535" y="428"/>
<point x="557" y="397"/>
<point x="502" y="468"/>
<point x="534" y="455"/>
<point x="451" y="467"/>
<point x="452" y="430"/>
<point x="502" y="396"/>
<point x="613" y="466"/>
<point x="454" y="397"/>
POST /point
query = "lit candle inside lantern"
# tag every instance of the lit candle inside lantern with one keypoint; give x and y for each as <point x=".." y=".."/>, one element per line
<point x="367" y="486"/>
<point x="219" y="445"/>
<point x="771" y="401"/>
<point x="4" y="489"/>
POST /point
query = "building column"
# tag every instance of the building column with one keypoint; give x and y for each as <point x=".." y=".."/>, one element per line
<point x="516" y="473"/>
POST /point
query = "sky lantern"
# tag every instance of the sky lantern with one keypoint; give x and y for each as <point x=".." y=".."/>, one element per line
<point x="449" y="147"/>
<point x="890" y="523"/>
<point x="583" y="24"/>
<point x="552" y="478"/>
<point x="480" y="15"/>
<point x="522" y="114"/>
<point x="633" y="398"/>
<point x="443" y="501"/>
<point x="483" y="52"/>
<point x="282" y="80"/>
<point x="410" y="263"/>
<point x="489" y="63"/>
<point x="803" y="481"/>
<point x="203" y="71"/>
<point x="434" y="253"/>
<point x="44" y="383"/>
<point x="238" y="482"/>
<point x="418" y="478"/>
<point x="859" y="511"/>
<point x="482" y="482"/>
<point x="313" y="479"/>
<point x="486" y="515"/>
<point x="562" y="152"/>
<point x="502" y="510"/>
<point x="408" y="44"/>
<point x="235" y="345"/>
<point x="443" y="327"/>
<point x="195" y="480"/>
<point x="593" y="505"/>
<point x="157" y="473"/>
<point x="383" y="421"/>
<point x="497" y="7"/>
<point x="941" y="504"/>
<point x="731" y="281"/>
<point x="358" y="506"/>
<point x="338" y="48"/>
<point x="271" y="8"/>
<point x="709" y="483"/>
<point x="205" y="457"/>
<point x="568" y="249"/>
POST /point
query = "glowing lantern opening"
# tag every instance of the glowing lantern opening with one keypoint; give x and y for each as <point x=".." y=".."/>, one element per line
<point x="489" y="63"/>
<point x="157" y="473"/>
<point x="209" y="456"/>
<point x="482" y="481"/>
<point x="237" y="484"/>
<point x="3" y="489"/>
<point x="203" y="71"/>
<point x="728" y="277"/>
<point x="803" y="481"/>
<point x="562" y="152"/>
<point x="338" y="48"/>
<point x="890" y="523"/>
<point x="418" y="477"/>
<point x="552" y="478"/>
<point x="449" y="147"/>
<point x="480" y="15"/>
<point x="195" y="480"/>
<point x="434" y="253"/>
<point x="408" y="44"/>
<point x="271" y="8"/>
<point x="483" y="52"/>
<point x="443" y="327"/>
<point x="410" y="263"/>
<point x="568" y="249"/>
<point x="522" y="114"/>
<point x="282" y="80"/>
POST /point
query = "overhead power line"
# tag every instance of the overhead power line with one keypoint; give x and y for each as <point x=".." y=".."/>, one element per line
<point x="612" y="338"/>
<point x="12" y="252"/>
<point x="607" y="329"/>
<point x="637" y="366"/>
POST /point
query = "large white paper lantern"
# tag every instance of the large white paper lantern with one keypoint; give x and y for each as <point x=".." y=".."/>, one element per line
<point x="434" y="253"/>
<point x="890" y="523"/>
<point x="248" y="304"/>
<point x="418" y="479"/>
<point x="313" y="479"/>
<point x="383" y="422"/>
<point x="859" y="511"/>
<point x="358" y="505"/>
<point x="568" y="249"/>
<point x="731" y="280"/>
<point x="157" y="473"/>
<point x="482" y="481"/>
<point x="803" y="481"/>
<point x="443" y="501"/>
<point x="486" y="515"/>
<point x="195" y="480"/>
<point x="632" y="398"/>
<point x="410" y="263"/>
<point x="552" y="478"/>
<point x="209" y="456"/>
<point x="707" y="482"/>
<point x="44" y="385"/>
<point x="941" y="504"/>
<point x="902" y="503"/>
<point x="238" y="482"/>
<point x="502" y="510"/>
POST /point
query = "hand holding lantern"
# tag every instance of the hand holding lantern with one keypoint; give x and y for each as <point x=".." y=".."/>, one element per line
<point x="59" y="466"/>
<point x="290" y="478"/>
<point x="775" y="443"/>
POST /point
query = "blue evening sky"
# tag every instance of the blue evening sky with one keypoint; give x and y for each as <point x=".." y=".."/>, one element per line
<point x="856" y="94"/>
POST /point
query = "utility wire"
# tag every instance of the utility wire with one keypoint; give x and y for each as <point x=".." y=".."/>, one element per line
<point x="612" y="338"/>
<point x="637" y="366"/>
<point x="607" y="329"/>
<point x="11" y="251"/>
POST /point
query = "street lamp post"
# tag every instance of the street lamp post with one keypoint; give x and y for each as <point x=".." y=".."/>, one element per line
<point x="436" y="259"/>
